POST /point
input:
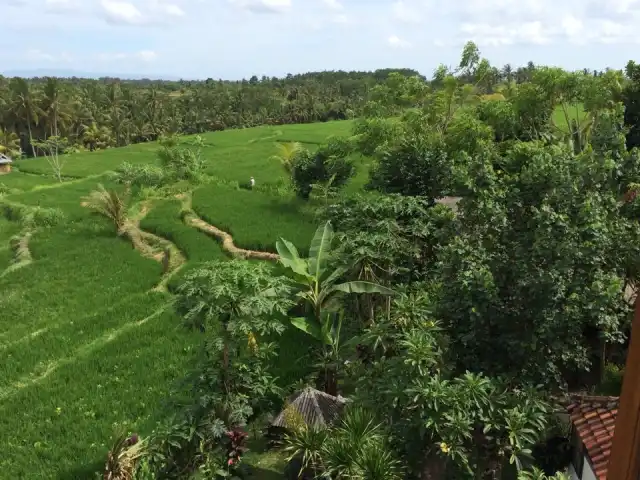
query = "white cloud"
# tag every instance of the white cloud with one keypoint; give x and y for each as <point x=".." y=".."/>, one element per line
<point x="541" y="22"/>
<point x="37" y="55"/>
<point x="143" y="55"/>
<point x="121" y="12"/>
<point x="173" y="10"/>
<point x="398" y="42"/>
<point x="263" y="6"/>
<point x="405" y="13"/>
<point x="492" y="35"/>
<point x="334" y="4"/>
<point x="147" y="55"/>
<point x="340" y="18"/>
<point x="61" y="5"/>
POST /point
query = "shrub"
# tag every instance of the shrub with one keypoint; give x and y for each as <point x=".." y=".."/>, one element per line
<point x="182" y="163"/>
<point x="418" y="165"/>
<point x="32" y="216"/>
<point x="612" y="380"/>
<point x="144" y="175"/>
<point x="330" y="162"/>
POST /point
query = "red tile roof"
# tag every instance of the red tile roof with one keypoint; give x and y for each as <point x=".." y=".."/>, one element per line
<point x="594" y="418"/>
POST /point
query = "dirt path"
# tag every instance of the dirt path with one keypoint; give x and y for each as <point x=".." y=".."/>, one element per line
<point x="153" y="246"/>
<point x="191" y="219"/>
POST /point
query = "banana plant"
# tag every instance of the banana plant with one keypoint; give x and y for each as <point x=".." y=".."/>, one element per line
<point x="319" y="287"/>
<point x="318" y="284"/>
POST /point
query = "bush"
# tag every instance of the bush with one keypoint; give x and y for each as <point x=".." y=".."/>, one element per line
<point x="140" y="176"/>
<point x="418" y="165"/>
<point x="612" y="380"/>
<point x="32" y="216"/>
<point x="329" y="163"/>
<point x="182" y="163"/>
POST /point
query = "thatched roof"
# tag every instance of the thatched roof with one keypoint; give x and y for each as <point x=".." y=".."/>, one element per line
<point x="316" y="408"/>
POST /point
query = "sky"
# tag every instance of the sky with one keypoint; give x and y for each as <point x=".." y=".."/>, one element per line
<point x="233" y="39"/>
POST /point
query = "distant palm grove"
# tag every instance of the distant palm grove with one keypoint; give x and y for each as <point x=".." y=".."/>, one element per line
<point x="96" y="114"/>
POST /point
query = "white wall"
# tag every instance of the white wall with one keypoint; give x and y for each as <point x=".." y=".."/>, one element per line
<point x="572" y="473"/>
<point x="587" y="473"/>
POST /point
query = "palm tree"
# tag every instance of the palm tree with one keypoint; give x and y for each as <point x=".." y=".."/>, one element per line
<point x="9" y="143"/>
<point x="54" y="107"/>
<point x="286" y="155"/>
<point x="24" y="106"/>
<point x="109" y="204"/>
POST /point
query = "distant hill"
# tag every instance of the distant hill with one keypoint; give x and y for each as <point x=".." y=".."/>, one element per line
<point x="62" y="73"/>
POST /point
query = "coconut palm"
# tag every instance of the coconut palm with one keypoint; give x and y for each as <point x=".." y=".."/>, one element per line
<point x="9" y="143"/>
<point x="24" y="106"/>
<point x="286" y="154"/>
<point x="96" y="137"/>
<point x="54" y="107"/>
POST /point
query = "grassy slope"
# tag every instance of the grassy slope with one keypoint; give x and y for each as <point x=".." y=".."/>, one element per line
<point x="79" y="351"/>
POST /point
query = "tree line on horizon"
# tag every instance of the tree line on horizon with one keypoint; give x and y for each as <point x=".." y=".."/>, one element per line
<point x="78" y="113"/>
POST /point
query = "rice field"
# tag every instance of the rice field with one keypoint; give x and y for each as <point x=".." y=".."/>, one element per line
<point x="256" y="220"/>
<point x="86" y="344"/>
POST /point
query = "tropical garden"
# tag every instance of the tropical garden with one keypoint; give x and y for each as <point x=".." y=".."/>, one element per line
<point x="438" y="262"/>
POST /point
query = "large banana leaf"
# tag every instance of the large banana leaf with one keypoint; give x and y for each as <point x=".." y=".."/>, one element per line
<point x="320" y="249"/>
<point x="359" y="286"/>
<point x="312" y="327"/>
<point x="290" y="258"/>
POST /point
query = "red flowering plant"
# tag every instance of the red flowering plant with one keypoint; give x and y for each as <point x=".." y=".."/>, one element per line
<point x="235" y="446"/>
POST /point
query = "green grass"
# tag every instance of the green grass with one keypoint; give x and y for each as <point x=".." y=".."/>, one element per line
<point x="67" y="197"/>
<point x="24" y="182"/>
<point x="574" y="112"/>
<point x="256" y="220"/>
<point x="264" y="463"/>
<point x="232" y="154"/>
<point x="73" y="336"/>
<point x="164" y="220"/>
<point x="7" y="230"/>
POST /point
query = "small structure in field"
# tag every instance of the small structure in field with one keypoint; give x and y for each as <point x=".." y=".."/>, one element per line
<point x="311" y="407"/>
<point x="5" y="164"/>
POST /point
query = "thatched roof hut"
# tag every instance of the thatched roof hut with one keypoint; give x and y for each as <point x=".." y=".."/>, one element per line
<point x="5" y="163"/>
<point x="315" y="408"/>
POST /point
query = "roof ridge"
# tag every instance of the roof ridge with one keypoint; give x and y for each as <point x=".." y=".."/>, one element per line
<point x="570" y="398"/>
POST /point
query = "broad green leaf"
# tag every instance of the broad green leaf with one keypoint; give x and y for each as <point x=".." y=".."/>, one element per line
<point x="290" y="257"/>
<point x="362" y="287"/>
<point x="308" y="326"/>
<point x="326" y="330"/>
<point x="320" y="249"/>
<point x="333" y="276"/>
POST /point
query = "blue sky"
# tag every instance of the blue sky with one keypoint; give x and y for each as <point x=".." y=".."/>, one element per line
<point x="239" y="38"/>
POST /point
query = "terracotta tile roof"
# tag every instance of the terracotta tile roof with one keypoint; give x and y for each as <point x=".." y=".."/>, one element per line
<point x="594" y="418"/>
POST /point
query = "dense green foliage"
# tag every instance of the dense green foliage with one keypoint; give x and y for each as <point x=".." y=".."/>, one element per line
<point x="450" y="324"/>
